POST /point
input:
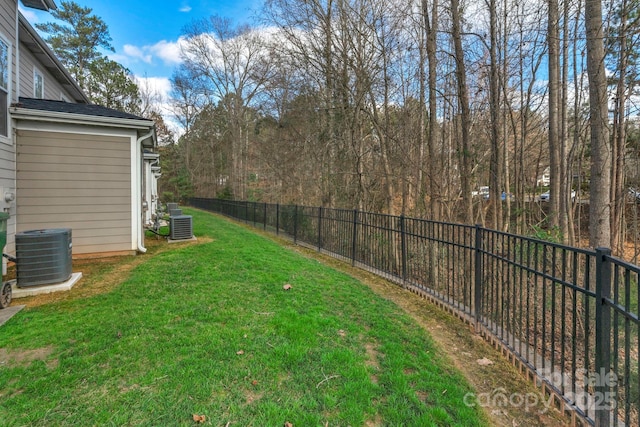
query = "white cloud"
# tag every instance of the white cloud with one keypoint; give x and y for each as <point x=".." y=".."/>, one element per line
<point x="136" y="52"/>
<point x="186" y="8"/>
<point x="167" y="51"/>
<point x="156" y="92"/>
<point x="157" y="85"/>
<point x="158" y="89"/>
<point x="119" y="58"/>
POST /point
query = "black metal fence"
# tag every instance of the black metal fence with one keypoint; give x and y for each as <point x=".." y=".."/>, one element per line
<point x="568" y="316"/>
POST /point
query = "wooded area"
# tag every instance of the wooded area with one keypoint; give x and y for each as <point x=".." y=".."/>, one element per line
<point x="451" y="110"/>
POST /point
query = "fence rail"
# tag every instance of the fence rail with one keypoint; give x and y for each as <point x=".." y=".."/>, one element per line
<point x="567" y="315"/>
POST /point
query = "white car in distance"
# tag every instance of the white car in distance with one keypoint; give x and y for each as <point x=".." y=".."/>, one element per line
<point x="544" y="197"/>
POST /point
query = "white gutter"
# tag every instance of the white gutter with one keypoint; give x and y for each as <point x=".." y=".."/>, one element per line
<point x="141" y="233"/>
<point x="80" y="119"/>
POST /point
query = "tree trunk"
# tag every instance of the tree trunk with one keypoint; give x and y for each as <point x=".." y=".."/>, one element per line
<point x="420" y="193"/>
<point x="432" y="31"/>
<point x="600" y="202"/>
<point x="566" y="168"/>
<point x="619" y="138"/>
<point x="494" y="105"/>
<point x="554" y="114"/>
<point x="465" y="116"/>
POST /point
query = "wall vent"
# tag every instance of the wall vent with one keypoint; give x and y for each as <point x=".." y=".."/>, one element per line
<point x="43" y="257"/>
<point x="181" y="227"/>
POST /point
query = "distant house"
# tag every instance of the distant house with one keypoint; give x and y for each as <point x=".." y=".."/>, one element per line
<point x="65" y="163"/>
<point x="545" y="179"/>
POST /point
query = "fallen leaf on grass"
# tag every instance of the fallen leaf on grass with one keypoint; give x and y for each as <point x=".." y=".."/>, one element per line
<point x="199" y="418"/>
<point x="288" y="424"/>
<point x="254" y="382"/>
<point x="239" y="352"/>
<point x="484" y="362"/>
<point x="286" y="287"/>
<point x="342" y="333"/>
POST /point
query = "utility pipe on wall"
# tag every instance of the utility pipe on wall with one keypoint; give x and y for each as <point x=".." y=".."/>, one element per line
<point x="141" y="248"/>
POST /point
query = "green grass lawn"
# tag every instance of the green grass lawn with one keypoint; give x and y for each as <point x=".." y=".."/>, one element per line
<point x="208" y="329"/>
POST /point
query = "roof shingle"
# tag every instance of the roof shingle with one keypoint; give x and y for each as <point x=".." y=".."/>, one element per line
<point x="71" y="108"/>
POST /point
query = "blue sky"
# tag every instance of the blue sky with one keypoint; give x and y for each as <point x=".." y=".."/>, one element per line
<point x="145" y="34"/>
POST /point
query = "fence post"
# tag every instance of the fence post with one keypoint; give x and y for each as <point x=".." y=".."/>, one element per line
<point x="403" y="250"/>
<point x="295" y="224"/>
<point x="265" y="216"/>
<point x="255" y="205"/>
<point x="477" y="282"/>
<point x="603" y="393"/>
<point x="319" y="228"/>
<point x="355" y="237"/>
<point x="277" y="219"/>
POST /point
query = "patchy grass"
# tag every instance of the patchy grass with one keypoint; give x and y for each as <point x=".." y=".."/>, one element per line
<point x="208" y="329"/>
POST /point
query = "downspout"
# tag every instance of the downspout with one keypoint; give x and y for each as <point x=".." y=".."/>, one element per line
<point x="141" y="248"/>
<point x="12" y="130"/>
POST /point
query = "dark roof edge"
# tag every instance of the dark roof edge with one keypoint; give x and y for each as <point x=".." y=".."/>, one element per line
<point x="145" y="128"/>
<point x="56" y="106"/>
<point x="45" y="5"/>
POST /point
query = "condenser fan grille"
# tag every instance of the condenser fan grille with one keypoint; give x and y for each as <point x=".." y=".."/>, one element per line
<point x="43" y="256"/>
<point x="181" y="227"/>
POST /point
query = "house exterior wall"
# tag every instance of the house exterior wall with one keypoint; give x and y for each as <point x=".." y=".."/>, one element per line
<point x="79" y="181"/>
<point x="8" y="11"/>
<point x="8" y="19"/>
<point x="52" y="89"/>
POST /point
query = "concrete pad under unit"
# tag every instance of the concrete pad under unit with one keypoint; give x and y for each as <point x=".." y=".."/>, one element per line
<point x="192" y="239"/>
<point x="44" y="289"/>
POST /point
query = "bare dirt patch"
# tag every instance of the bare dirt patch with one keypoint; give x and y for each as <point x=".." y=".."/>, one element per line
<point x="21" y="357"/>
<point x="375" y="422"/>
<point x="372" y="360"/>
<point x="251" y="396"/>
<point x="422" y="395"/>
<point x="372" y="355"/>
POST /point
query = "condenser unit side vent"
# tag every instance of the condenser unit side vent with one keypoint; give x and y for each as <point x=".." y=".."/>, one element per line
<point x="43" y="256"/>
<point x="175" y="212"/>
<point x="181" y="227"/>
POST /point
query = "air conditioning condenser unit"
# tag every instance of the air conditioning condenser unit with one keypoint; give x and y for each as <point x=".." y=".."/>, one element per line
<point x="181" y="227"/>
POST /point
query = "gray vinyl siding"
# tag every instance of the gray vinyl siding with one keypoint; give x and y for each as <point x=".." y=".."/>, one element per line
<point x="52" y="89"/>
<point x="8" y="30"/>
<point x="8" y="18"/>
<point x="82" y="182"/>
<point x="7" y="182"/>
<point x="7" y="165"/>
